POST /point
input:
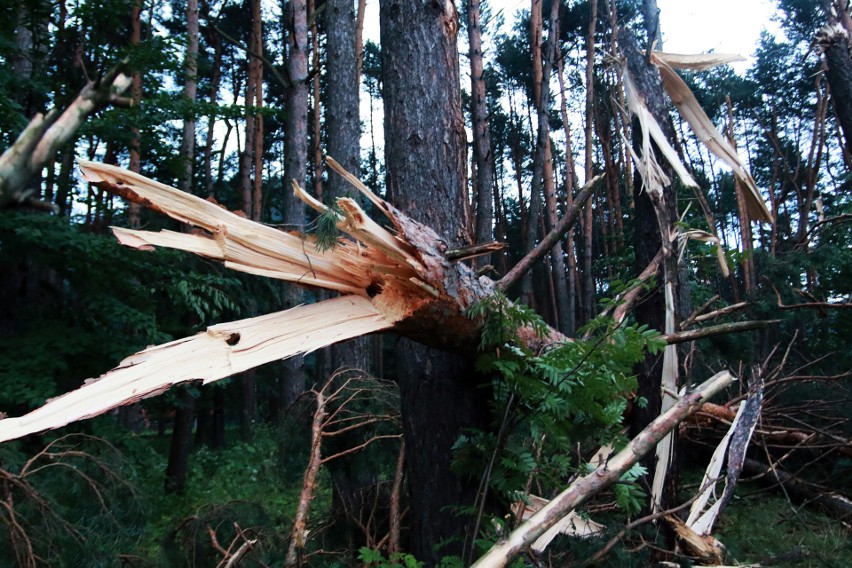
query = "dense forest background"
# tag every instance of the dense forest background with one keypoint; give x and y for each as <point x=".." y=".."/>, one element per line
<point x="231" y="100"/>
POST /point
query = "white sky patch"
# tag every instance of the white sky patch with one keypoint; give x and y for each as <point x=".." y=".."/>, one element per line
<point x="724" y="26"/>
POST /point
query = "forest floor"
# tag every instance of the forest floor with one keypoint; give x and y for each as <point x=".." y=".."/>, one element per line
<point x="249" y="484"/>
<point x="764" y="527"/>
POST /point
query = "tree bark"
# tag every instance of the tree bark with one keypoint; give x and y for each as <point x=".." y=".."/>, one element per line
<point x="651" y="16"/>
<point x="215" y="83"/>
<point x="344" y="132"/>
<point x="543" y="175"/>
<point x="256" y="70"/>
<point x="136" y="95"/>
<point x="425" y="176"/>
<point x="351" y="473"/>
<point x="190" y="88"/>
<point x="570" y="182"/>
<point x="531" y="227"/>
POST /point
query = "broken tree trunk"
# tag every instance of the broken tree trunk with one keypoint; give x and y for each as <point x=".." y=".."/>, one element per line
<point x="401" y="281"/>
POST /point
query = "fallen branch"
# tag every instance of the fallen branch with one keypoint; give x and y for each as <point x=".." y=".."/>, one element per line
<point x="472" y="251"/>
<point x="727" y="310"/>
<point x="605" y="475"/>
<point x="624" y="301"/>
<point x="810" y="305"/>
<point x="775" y="434"/>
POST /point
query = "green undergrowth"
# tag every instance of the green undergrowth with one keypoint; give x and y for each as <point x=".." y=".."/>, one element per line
<point x="245" y="483"/>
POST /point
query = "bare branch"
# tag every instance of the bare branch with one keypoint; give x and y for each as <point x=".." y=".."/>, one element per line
<point x="722" y="329"/>
<point x="552" y="238"/>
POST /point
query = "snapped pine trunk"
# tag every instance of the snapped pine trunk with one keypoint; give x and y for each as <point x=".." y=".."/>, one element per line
<point x="399" y="281"/>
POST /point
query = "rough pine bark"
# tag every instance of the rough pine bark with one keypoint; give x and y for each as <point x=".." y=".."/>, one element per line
<point x="215" y="84"/>
<point x="136" y="95"/>
<point x="256" y="70"/>
<point x="570" y="181"/>
<point x="353" y="473"/>
<point x="425" y="177"/>
<point x="531" y="228"/>
<point x="343" y="124"/>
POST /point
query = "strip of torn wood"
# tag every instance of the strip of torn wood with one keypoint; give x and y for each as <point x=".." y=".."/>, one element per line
<point x="697" y="61"/>
<point x="252" y="247"/>
<point x="219" y="352"/>
<point x="704" y="129"/>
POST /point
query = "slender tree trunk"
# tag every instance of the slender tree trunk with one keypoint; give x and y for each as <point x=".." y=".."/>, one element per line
<point x="246" y="160"/>
<point x="250" y="187"/>
<point x="295" y="164"/>
<point x="316" y="122"/>
<point x="570" y="185"/>
<point x="543" y="174"/>
<point x="749" y="274"/>
<point x="531" y="229"/>
<point x="425" y="176"/>
<point x="190" y="88"/>
<point x="215" y="83"/>
<point x="136" y="95"/>
<point x="181" y="443"/>
<point x="359" y="40"/>
<point x="350" y="474"/>
<point x="344" y="132"/>
<point x="482" y="153"/>
<point x="587" y="307"/>
<point x="256" y="70"/>
<point x="129" y="417"/>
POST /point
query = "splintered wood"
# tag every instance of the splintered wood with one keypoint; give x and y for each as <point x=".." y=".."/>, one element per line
<point x="217" y="353"/>
<point x="704" y="129"/>
<point x="382" y="277"/>
<point x="251" y="247"/>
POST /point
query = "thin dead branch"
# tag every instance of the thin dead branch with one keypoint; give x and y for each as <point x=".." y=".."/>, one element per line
<point x="552" y="238"/>
<point x="721" y="329"/>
